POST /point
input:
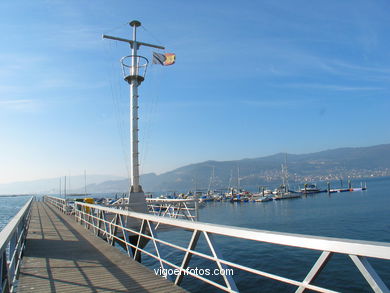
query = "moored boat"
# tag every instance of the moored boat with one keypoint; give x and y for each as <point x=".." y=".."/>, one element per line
<point x="286" y="195"/>
<point x="310" y="188"/>
<point x="263" y="198"/>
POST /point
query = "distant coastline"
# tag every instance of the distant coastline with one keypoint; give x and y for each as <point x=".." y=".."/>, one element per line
<point x="330" y="165"/>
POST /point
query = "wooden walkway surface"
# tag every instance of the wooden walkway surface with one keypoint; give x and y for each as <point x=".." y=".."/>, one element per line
<point x="61" y="256"/>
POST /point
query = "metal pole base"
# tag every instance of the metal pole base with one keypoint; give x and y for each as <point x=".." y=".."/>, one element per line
<point x="137" y="202"/>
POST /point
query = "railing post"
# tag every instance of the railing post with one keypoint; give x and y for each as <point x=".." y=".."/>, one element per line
<point x="218" y="255"/>
<point x="316" y="269"/>
<point x="369" y="274"/>
<point x="114" y="229"/>
<point x="5" y="282"/>
<point x="125" y="234"/>
<point x="157" y="247"/>
<point x="12" y="254"/>
<point x="137" y="253"/>
<point x="107" y="228"/>
<point x="187" y="256"/>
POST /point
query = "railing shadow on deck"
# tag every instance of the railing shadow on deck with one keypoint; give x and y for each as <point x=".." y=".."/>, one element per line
<point x="75" y="253"/>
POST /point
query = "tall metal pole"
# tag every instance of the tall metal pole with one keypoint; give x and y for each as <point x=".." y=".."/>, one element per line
<point x="135" y="186"/>
<point x="136" y="195"/>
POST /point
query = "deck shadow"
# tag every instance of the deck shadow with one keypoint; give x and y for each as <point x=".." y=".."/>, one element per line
<point x="85" y="262"/>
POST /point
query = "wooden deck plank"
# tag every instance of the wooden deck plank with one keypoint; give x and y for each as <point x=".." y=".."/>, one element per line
<point x="61" y="256"/>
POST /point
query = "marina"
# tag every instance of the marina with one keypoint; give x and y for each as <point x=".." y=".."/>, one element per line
<point x="263" y="195"/>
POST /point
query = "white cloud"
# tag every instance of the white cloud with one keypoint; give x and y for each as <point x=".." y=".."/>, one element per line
<point x="334" y="87"/>
<point x="15" y="102"/>
<point x="264" y="103"/>
<point x="19" y="105"/>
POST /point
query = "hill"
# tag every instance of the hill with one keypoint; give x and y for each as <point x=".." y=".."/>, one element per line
<point x="325" y="165"/>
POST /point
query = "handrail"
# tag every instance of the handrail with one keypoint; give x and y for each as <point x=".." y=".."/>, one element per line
<point x="152" y="199"/>
<point x="345" y="246"/>
<point x="174" y="208"/>
<point x="96" y="217"/>
<point x="12" y="244"/>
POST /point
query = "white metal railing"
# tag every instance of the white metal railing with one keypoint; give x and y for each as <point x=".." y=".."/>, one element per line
<point x="164" y="207"/>
<point x="174" y="208"/>
<point x="60" y="203"/>
<point x="117" y="229"/>
<point x="12" y="244"/>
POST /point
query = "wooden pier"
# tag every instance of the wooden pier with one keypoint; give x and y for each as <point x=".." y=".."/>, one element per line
<point x="61" y="256"/>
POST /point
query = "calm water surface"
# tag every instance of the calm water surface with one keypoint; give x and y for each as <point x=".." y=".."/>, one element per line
<point x="9" y="207"/>
<point x="362" y="215"/>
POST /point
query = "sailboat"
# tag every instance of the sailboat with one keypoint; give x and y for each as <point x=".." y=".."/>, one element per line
<point x="283" y="192"/>
<point x="212" y="194"/>
<point x="263" y="195"/>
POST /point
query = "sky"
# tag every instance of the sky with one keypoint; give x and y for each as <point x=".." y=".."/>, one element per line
<point x="252" y="78"/>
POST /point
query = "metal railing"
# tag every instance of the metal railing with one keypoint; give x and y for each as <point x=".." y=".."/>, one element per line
<point x="60" y="203"/>
<point x="174" y="208"/>
<point x="171" y="208"/>
<point x="12" y="244"/>
<point x="117" y="229"/>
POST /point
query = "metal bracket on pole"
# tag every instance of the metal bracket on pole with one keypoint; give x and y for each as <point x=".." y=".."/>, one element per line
<point x="132" y="42"/>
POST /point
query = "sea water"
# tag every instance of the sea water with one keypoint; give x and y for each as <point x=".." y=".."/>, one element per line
<point x="9" y="207"/>
<point x="361" y="215"/>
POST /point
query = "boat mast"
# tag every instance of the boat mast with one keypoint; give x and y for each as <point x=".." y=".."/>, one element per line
<point x="230" y="180"/>
<point x="134" y="78"/>
<point x="196" y="185"/>
<point x="211" y="182"/>
<point x="286" y="174"/>
<point x="283" y="177"/>
<point x="238" y="178"/>
<point x="85" y="182"/>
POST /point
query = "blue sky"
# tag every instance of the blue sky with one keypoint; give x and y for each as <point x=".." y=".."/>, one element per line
<point x="252" y="78"/>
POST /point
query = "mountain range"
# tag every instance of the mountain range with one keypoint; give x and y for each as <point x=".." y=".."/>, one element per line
<point x="329" y="165"/>
<point x="341" y="163"/>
